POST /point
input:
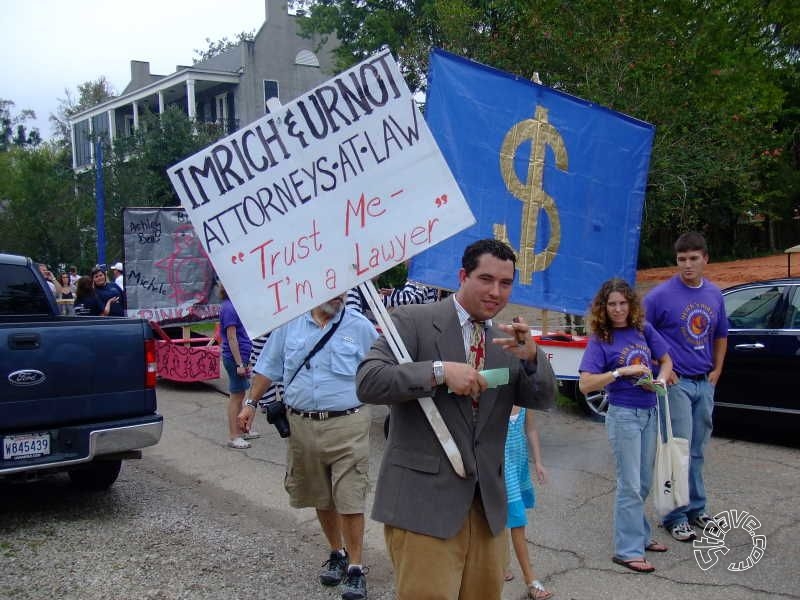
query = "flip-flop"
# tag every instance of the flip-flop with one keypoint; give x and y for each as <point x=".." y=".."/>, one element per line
<point x="645" y="567"/>
<point x="655" y="546"/>
<point x="508" y="576"/>
<point x="536" y="591"/>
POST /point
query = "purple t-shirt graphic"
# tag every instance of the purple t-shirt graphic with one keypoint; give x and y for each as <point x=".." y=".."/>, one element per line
<point x="628" y="346"/>
<point x="690" y="319"/>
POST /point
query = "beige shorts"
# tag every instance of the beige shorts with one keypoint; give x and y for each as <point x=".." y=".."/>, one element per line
<point x="327" y="464"/>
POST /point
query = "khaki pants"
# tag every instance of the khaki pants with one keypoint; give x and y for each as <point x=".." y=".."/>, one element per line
<point x="327" y="464"/>
<point x="468" y="566"/>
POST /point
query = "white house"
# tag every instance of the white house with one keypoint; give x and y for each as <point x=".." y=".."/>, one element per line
<point x="230" y="89"/>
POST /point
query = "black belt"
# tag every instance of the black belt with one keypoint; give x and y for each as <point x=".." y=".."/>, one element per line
<point x="700" y="377"/>
<point x="322" y="415"/>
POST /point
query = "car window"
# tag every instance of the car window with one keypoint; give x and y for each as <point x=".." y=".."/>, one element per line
<point x="751" y="308"/>
<point x="793" y="310"/>
<point x="21" y="293"/>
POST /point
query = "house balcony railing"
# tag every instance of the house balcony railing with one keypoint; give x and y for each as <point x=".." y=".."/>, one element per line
<point x="219" y="126"/>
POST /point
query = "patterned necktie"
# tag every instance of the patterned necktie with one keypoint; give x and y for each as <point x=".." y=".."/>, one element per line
<point x="477" y="345"/>
<point x="477" y="353"/>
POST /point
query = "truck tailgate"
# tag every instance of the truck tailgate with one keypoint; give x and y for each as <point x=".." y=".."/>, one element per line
<point x="55" y="370"/>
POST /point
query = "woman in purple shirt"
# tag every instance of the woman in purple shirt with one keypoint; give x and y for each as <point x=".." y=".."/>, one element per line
<point x="236" y="348"/>
<point x="622" y="349"/>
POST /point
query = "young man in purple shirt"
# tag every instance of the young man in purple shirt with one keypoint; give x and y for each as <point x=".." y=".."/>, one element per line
<point x="688" y="311"/>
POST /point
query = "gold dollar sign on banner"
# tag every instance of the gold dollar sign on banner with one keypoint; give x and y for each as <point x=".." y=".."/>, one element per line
<point x="531" y="193"/>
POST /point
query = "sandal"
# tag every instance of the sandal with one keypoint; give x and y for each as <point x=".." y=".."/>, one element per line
<point x="655" y="546"/>
<point x="508" y="576"/>
<point x="640" y="565"/>
<point x="239" y="443"/>
<point x="536" y="591"/>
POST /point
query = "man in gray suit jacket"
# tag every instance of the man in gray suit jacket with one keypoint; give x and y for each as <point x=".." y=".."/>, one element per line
<point x="444" y="533"/>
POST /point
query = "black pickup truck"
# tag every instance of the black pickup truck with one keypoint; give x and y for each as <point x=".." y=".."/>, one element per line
<point x="77" y="394"/>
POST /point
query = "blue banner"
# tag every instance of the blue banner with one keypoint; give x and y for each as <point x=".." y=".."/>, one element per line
<point x="560" y="179"/>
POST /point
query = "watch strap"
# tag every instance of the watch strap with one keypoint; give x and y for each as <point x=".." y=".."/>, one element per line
<point x="438" y="372"/>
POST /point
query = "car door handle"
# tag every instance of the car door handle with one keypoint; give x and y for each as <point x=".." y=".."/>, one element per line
<point x="756" y="346"/>
<point x="24" y="341"/>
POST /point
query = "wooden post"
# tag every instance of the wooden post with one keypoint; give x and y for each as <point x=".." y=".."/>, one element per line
<point x="789" y="252"/>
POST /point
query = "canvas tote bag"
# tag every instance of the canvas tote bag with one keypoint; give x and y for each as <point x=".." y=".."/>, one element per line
<point x="671" y="471"/>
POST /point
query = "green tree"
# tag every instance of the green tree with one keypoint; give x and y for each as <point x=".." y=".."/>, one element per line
<point x="135" y="173"/>
<point x="13" y="128"/>
<point x="38" y="210"/>
<point x="709" y="74"/>
<point x="89" y="94"/>
<point x="215" y="48"/>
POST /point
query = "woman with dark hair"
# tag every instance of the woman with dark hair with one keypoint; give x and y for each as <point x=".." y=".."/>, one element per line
<point x="621" y="350"/>
<point x="87" y="302"/>
<point x="66" y="288"/>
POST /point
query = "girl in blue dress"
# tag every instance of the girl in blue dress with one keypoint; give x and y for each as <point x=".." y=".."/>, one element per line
<point x="520" y="493"/>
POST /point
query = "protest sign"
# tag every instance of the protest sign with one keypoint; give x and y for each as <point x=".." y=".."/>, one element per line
<point x="560" y="179"/>
<point x="330" y="190"/>
<point x="168" y="277"/>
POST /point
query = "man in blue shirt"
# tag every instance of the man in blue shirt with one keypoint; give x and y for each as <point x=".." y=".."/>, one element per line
<point x="109" y="298"/>
<point x="328" y="450"/>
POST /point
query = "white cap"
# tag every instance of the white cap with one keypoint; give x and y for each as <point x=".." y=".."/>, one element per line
<point x="117" y="267"/>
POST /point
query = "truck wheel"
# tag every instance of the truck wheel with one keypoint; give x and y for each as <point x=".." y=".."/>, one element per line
<point x="595" y="404"/>
<point x="96" y="476"/>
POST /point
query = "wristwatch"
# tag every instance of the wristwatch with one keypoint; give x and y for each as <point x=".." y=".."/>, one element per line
<point x="615" y="373"/>
<point x="438" y="372"/>
<point x="250" y="402"/>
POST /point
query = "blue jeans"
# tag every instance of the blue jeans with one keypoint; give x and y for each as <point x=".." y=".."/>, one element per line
<point x="632" y="433"/>
<point x="690" y="406"/>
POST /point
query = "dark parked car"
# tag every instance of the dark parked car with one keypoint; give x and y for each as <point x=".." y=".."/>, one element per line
<point x="763" y="353"/>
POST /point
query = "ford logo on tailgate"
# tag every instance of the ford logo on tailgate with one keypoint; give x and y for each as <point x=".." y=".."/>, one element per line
<point x="26" y="377"/>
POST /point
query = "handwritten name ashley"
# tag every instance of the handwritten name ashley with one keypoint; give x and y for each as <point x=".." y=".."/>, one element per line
<point x="147" y="230"/>
<point x="276" y="262"/>
<point x="269" y="145"/>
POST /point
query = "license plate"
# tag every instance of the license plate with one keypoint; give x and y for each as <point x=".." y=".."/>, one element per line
<point x="26" y="446"/>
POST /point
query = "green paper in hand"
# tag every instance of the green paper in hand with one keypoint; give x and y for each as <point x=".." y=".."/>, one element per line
<point x="494" y="377"/>
<point x="653" y="385"/>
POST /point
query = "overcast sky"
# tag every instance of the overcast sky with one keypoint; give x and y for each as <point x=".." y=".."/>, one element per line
<point x="53" y="45"/>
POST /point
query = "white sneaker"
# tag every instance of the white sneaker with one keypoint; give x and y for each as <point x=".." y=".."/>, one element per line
<point x="682" y="532"/>
<point x="702" y="520"/>
<point x="238" y="443"/>
<point x="251" y="435"/>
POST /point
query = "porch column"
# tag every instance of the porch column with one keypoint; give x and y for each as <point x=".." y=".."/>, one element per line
<point x="112" y="127"/>
<point x="161" y="102"/>
<point x="91" y="140"/>
<point x="74" y="148"/>
<point x="135" y="116"/>
<point x="190" y="101"/>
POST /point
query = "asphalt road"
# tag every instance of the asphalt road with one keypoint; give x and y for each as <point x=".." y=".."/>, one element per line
<point x="194" y="519"/>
